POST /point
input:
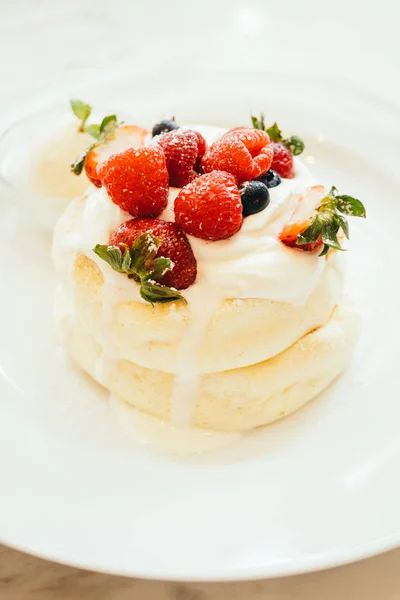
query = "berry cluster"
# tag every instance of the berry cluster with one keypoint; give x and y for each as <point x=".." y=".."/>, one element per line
<point x="220" y="185"/>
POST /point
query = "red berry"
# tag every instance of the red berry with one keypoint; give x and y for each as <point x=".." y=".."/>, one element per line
<point x="183" y="149"/>
<point x="137" y="180"/>
<point x="129" y="136"/>
<point x="282" y="162"/>
<point x="298" y="223"/>
<point x="291" y="232"/>
<point x="245" y="153"/>
<point x="174" y="245"/>
<point x="202" y="146"/>
<point x="210" y="207"/>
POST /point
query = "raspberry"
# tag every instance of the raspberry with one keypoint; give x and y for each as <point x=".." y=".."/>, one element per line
<point x="137" y="180"/>
<point x="174" y="245"/>
<point x="243" y="152"/>
<point x="210" y="207"/>
<point x="282" y="162"/>
<point x="129" y="136"/>
<point x="183" y="149"/>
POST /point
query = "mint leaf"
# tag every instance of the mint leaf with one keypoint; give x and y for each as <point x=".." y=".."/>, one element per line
<point x="107" y="127"/>
<point x="160" y="267"/>
<point x="82" y="111"/>
<point x="295" y="145"/>
<point x="343" y="224"/>
<point x="329" y="219"/>
<point x="329" y="234"/>
<point x="350" y="206"/>
<point x="93" y="130"/>
<point x="114" y="257"/>
<point x="154" y="292"/>
<point x="258" y="123"/>
<point x="325" y="250"/>
<point x="311" y="234"/>
<point x="77" y="165"/>
<point x="101" y="133"/>
<point x="140" y="263"/>
<point x="275" y="133"/>
<point x="143" y="252"/>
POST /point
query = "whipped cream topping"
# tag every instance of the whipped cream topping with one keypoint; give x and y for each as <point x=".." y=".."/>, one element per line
<point x="254" y="263"/>
<point x="251" y="264"/>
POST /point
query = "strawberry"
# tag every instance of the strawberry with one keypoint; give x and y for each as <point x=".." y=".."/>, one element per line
<point x="210" y="207"/>
<point x="137" y="180"/>
<point x="291" y="233"/>
<point x="282" y="163"/>
<point x="110" y="138"/>
<point x="155" y="254"/>
<point x="129" y="136"/>
<point x="183" y="149"/>
<point x="243" y="152"/>
<point x="326" y="227"/>
<point x="173" y="245"/>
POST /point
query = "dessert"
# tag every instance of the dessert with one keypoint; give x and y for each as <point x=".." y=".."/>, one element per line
<point x="200" y="274"/>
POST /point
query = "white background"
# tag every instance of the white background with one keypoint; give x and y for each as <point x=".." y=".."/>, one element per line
<point x="48" y="42"/>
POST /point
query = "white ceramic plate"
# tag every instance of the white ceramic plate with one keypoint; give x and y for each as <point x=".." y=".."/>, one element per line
<point x="317" y="489"/>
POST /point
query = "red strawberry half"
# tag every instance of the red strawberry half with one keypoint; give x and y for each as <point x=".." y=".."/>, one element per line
<point x="291" y="233"/>
<point x="129" y="136"/>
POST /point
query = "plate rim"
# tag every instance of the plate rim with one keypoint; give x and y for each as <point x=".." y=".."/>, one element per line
<point x="327" y="560"/>
<point x="333" y="560"/>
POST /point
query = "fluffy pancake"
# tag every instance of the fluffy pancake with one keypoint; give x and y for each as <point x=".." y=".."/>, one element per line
<point x="237" y="399"/>
<point x="262" y="332"/>
<point x="241" y="332"/>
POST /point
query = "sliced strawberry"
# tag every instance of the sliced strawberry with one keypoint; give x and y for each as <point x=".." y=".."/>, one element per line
<point x="301" y="219"/>
<point x="327" y="226"/>
<point x="128" y="136"/>
<point x="290" y="234"/>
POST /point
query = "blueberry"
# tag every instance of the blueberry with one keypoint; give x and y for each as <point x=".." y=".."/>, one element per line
<point x="164" y="126"/>
<point x="255" y="197"/>
<point x="270" y="178"/>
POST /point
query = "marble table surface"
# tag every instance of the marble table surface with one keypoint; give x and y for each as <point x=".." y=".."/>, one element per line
<point x="54" y="41"/>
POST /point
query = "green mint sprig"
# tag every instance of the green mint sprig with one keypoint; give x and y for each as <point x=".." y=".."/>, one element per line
<point x="82" y="112"/>
<point x="330" y="218"/>
<point x="102" y="132"/>
<point x="294" y="143"/>
<point x="140" y="263"/>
